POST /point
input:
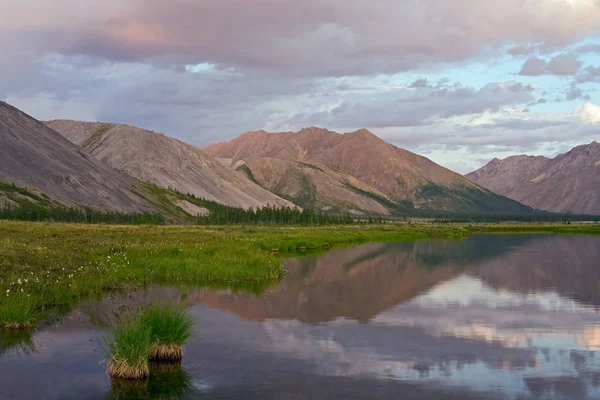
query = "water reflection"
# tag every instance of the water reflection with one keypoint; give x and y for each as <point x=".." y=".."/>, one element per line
<point x="359" y="283"/>
<point x="16" y="342"/>
<point x="508" y="317"/>
<point x="166" y="381"/>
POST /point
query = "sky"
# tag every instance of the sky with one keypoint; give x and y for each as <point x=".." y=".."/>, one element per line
<point x="459" y="81"/>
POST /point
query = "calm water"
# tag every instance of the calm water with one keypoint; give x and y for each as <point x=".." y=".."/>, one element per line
<point x="488" y="317"/>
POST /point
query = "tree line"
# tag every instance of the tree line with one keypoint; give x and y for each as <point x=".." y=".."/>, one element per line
<point x="220" y="214"/>
<point x="33" y="212"/>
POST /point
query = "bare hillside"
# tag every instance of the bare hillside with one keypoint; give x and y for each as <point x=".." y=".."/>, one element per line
<point x="35" y="156"/>
<point x="166" y="162"/>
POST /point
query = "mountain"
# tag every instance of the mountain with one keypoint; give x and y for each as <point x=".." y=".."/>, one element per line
<point x="570" y="182"/>
<point x="357" y="172"/>
<point x="165" y="162"/>
<point x="36" y="157"/>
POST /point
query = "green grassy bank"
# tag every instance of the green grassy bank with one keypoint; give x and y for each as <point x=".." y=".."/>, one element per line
<point x="43" y="265"/>
<point x="557" y="228"/>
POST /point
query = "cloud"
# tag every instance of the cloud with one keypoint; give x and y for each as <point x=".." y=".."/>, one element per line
<point x="588" y="48"/>
<point x="311" y="37"/>
<point x="519" y="124"/>
<point x="564" y="65"/>
<point x="575" y="93"/>
<point x="534" y="67"/>
<point x="560" y="65"/>
<point x="589" y="74"/>
<point x="522" y="50"/>
<point x="589" y="113"/>
<point x="45" y="106"/>
<point x="405" y="107"/>
<point x="419" y="83"/>
<point x="537" y="102"/>
<point x="209" y="105"/>
<point x="460" y="141"/>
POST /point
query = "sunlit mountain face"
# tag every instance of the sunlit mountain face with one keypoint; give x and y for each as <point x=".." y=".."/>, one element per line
<point x="496" y="316"/>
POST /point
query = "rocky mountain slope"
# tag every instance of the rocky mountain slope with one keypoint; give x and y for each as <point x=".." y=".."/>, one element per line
<point x="355" y="171"/>
<point x="34" y="156"/>
<point x="166" y="162"/>
<point x="570" y="182"/>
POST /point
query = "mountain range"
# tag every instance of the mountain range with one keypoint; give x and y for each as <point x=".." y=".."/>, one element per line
<point x="569" y="182"/>
<point x="357" y="172"/>
<point x="165" y="162"/>
<point x="116" y="167"/>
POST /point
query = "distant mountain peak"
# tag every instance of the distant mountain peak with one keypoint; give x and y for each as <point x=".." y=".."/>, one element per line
<point x="363" y="133"/>
<point x="310" y="129"/>
<point x="568" y="182"/>
<point x="354" y="163"/>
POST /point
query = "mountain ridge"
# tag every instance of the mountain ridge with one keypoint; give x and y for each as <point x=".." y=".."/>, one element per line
<point x="403" y="181"/>
<point x="33" y="155"/>
<point x="166" y="162"/>
<point x="570" y="182"/>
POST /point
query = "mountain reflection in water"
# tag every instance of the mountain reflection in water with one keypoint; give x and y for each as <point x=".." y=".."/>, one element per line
<point x="490" y="316"/>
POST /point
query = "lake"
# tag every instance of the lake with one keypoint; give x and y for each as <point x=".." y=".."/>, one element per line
<point x="487" y="317"/>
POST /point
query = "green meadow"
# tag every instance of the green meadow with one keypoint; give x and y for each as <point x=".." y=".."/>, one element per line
<point x="47" y="265"/>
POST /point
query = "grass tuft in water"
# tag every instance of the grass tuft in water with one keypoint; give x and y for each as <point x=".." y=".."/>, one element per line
<point x="17" y="312"/>
<point x="128" y="350"/>
<point x="170" y="327"/>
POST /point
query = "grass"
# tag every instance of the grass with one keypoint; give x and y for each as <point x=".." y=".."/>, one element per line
<point x="17" y="312"/>
<point x="11" y="188"/>
<point x="307" y="194"/>
<point x="311" y="166"/>
<point x="396" y="208"/>
<point x="57" y="264"/>
<point x="128" y="350"/>
<point x="157" y="334"/>
<point x="246" y="170"/>
<point x="559" y="228"/>
<point x="96" y="139"/>
<point x="467" y="199"/>
<point x="170" y="327"/>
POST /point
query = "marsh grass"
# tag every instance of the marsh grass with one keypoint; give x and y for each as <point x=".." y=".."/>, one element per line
<point x="128" y="350"/>
<point x="575" y="229"/>
<point x="170" y="327"/>
<point x="58" y="264"/>
<point x="18" y="312"/>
